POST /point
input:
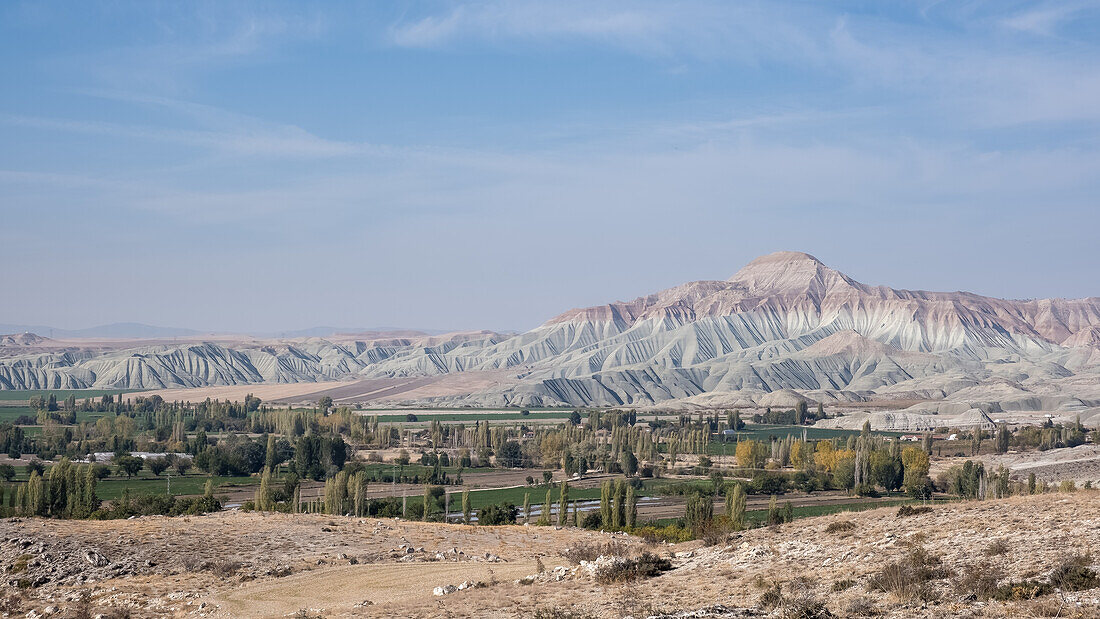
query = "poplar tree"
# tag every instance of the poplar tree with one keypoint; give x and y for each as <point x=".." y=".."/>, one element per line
<point x="466" y="508"/>
<point x="774" y="517"/>
<point x="263" y="500"/>
<point x="544" y="517"/>
<point x="631" y="507"/>
<point x="563" y="504"/>
<point x="735" y="507"/>
<point x="605" y="504"/>
<point x="616" y="508"/>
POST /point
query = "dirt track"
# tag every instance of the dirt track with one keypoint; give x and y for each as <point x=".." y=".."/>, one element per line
<point x="340" y="589"/>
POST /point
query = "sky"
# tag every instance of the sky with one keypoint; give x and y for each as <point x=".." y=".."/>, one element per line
<point x="267" y="166"/>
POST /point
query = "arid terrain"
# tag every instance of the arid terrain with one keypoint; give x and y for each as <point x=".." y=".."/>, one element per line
<point x="233" y="564"/>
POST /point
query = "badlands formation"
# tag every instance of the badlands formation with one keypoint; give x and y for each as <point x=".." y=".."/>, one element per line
<point x="784" y="328"/>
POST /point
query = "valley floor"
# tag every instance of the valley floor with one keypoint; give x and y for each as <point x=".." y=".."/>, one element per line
<point x="234" y="564"/>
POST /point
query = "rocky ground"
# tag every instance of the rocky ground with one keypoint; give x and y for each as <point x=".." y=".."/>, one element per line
<point x="236" y="564"/>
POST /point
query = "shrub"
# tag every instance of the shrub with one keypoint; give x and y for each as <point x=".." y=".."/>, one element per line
<point x="840" y="526"/>
<point x="909" y="510"/>
<point x="1074" y="574"/>
<point x="801" y="605"/>
<point x="590" y="551"/>
<point x="843" y="585"/>
<point x="717" y="531"/>
<point x="996" y="547"/>
<point x="592" y="520"/>
<point x="497" y="514"/>
<point x="225" y="568"/>
<point x="1022" y="590"/>
<point x="672" y="533"/>
<point x="645" y="566"/>
<point x="909" y="577"/>
<point x="557" y="613"/>
<point x="862" y="607"/>
<point x="979" y="581"/>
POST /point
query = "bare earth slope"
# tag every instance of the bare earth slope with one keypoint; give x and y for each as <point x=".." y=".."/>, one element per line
<point x="784" y="322"/>
<point x="236" y="564"/>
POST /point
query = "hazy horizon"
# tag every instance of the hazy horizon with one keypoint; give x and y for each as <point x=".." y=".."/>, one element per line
<point x="257" y="167"/>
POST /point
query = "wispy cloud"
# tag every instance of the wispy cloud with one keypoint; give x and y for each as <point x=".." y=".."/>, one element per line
<point x="657" y="29"/>
<point x="185" y="42"/>
<point x="1046" y="18"/>
<point x="218" y="130"/>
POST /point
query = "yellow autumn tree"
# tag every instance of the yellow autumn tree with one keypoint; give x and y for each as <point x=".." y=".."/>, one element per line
<point x="825" y="457"/>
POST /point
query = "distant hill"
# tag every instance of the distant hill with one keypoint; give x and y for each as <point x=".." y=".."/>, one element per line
<point x="136" y="330"/>
<point x="118" y="330"/>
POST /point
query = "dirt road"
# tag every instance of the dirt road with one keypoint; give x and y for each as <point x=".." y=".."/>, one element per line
<point x="339" y="590"/>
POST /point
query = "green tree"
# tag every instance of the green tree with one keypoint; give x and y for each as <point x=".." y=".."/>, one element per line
<point x="182" y="465"/>
<point x="698" y="512"/>
<point x="631" y="507"/>
<point x="502" y="513"/>
<point x="1002" y="439"/>
<point x="466" y="509"/>
<point x="157" y="465"/>
<point x="628" y="462"/>
<point x="269" y="456"/>
<point x="774" y="515"/>
<point x="130" y="465"/>
<point x="605" y="504"/>
<point x="735" y="507"/>
<point x="544" y="517"/>
<point x="263" y="499"/>
<point x="563" y="504"/>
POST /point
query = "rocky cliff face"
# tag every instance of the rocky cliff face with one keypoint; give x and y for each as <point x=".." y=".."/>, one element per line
<point x="784" y="322"/>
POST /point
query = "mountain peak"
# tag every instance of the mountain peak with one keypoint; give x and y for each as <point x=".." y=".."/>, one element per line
<point x="789" y="271"/>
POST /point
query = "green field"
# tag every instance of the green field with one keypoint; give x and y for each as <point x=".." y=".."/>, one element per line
<point x="764" y="432"/>
<point x="481" y="498"/>
<point x="9" y="414"/>
<point x="111" y="489"/>
<point x="61" y="393"/>
<point x="760" y="515"/>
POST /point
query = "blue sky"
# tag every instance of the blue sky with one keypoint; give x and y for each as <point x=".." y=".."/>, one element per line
<point x="267" y="166"/>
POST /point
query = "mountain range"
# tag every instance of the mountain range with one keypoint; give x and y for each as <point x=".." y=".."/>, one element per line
<point x="783" y="328"/>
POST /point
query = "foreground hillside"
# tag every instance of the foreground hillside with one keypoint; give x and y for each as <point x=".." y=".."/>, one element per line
<point x="946" y="562"/>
